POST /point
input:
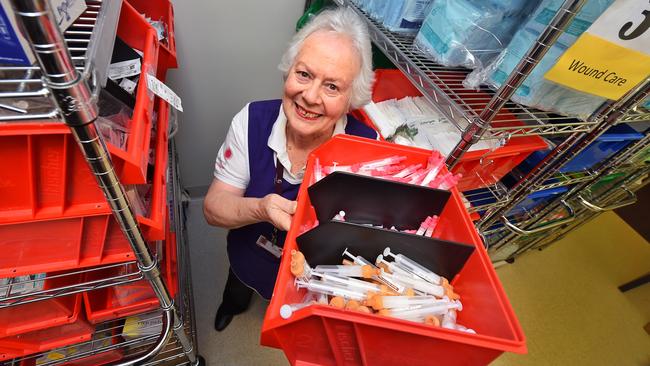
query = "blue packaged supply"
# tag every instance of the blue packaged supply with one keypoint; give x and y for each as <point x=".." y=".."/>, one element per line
<point x="14" y="49"/>
<point x="470" y="33"/>
<point x="545" y="12"/>
<point x="405" y="16"/>
<point x="536" y="91"/>
<point x="378" y="10"/>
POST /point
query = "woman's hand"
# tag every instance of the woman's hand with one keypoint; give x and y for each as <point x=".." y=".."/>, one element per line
<point x="278" y="210"/>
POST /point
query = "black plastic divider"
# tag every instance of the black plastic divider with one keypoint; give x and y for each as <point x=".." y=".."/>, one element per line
<point x="369" y="200"/>
<point x="325" y="243"/>
<point x="375" y="201"/>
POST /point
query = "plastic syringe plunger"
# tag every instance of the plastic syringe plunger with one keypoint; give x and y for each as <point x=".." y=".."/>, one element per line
<point x="399" y="288"/>
<point x="365" y="271"/>
<point x="379" y="302"/>
<point x="348" y="282"/>
<point x="287" y="310"/>
<point x="414" y="267"/>
<point x="330" y="289"/>
<point x="419" y="284"/>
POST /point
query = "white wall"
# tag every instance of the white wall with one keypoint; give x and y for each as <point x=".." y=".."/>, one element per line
<point x="228" y="54"/>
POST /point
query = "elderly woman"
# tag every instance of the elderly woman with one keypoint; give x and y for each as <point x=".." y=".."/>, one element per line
<point x="327" y="72"/>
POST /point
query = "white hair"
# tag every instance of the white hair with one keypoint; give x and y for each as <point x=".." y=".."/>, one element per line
<point x="346" y="22"/>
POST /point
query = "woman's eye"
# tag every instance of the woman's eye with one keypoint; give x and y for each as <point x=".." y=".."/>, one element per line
<point x="332" y="87"/>
<point x="303" y="74"/>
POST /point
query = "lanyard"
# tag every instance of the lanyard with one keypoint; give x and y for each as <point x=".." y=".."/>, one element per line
<point x="279" y="171"/>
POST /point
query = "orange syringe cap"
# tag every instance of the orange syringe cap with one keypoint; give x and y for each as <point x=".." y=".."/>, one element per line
<point x="337" y="302"/>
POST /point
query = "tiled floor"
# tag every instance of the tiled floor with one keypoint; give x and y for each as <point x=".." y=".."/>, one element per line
<point x="565" y="297"/>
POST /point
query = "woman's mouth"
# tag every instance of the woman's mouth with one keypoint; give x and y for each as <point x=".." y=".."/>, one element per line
<point x="305" y="113"/>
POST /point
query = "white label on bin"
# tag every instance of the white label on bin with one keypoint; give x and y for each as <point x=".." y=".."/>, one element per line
<point x="163" y="91"/>
<point x="124" y="69"/>
<point x="128" y="85"/>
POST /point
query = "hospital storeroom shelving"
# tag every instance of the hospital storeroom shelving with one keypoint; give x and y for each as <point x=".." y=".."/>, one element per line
<point x="83" y="279"/>
<point x="576" y="159"/>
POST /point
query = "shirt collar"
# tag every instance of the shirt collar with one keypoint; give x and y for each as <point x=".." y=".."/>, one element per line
<point x="278" y="141"/>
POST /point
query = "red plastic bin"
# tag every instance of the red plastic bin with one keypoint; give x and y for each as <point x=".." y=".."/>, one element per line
<point x="44" y="340"/>
<point x="170" y="269"/>
<point x="479" y="168"/>
<point x="44" y="175"/>
<point x="323" y="335"/>
<point x="162" y="10"/>
<point x="123" y="300"/>
<point x="43" y="314"/>
<point x="53" y="245"/>
<point x="118" y="301"/>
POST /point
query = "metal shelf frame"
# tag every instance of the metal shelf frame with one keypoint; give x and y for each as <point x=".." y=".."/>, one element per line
<point x="89" y="39"/>
<point x="479" y="116"/>
<point x="74" y="93"/>
<point x="622" y="196"/>
<point x="465" y="108"/>
<point x="618" y="163"/>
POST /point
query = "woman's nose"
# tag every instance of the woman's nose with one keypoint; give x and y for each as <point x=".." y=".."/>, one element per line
<point x="311" y="93"/>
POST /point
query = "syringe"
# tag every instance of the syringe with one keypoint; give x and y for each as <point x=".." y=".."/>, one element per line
<point x="365" y="271"/>
<point x="287" y="310"/>
<point x="449" y="322"/>
<point x="394" y="267"/>
<point x="354" y="284"/>
<point x="414" y="267"/>
<point x="420" y="285"/>
<point x="330" y="289"/>
<point x="420" y="313"/>
<point x="379" y="302"/>
<point x="299" y="266"/>
<point x="397" y="287"/>
<point x="339" y="216"/>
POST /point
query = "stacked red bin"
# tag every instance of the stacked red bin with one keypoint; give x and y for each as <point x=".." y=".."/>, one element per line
<point x="56" y="223"/>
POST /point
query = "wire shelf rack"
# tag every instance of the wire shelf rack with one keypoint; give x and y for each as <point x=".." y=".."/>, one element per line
<point x="566" y="179"/>
<point x="443" y="86"/>
<point x="90" y="41"/>
<point x="638" y="114"/>
<point x="70" y="282"/>
<point x="482" y="199"/>
<point x="112" y="336"/>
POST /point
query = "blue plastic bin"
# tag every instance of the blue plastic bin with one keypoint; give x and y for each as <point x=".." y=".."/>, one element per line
<point x="605" y="146"/>
<point x="534" y="201"/>
<point x="531" y="203"/>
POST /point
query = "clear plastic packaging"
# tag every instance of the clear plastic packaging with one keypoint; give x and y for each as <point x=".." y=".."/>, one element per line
<point x="536" y="91"/>
<point x="114" y="119"/>
<point x="405" y="16"/>
<point x="470" y="33"/>
<point x="414" y="121"/>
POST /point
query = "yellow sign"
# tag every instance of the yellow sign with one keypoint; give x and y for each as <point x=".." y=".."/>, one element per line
<point x="596" y="66"/>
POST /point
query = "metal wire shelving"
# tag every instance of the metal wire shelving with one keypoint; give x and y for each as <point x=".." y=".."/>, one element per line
<point x="443" y="86"/>
<point x="90" y="39"/>
<point x="72" y="69"/>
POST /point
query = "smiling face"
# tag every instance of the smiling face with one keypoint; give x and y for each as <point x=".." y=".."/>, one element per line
<point x="318" y="85"/>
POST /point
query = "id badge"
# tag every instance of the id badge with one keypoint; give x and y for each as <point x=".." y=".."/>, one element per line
<point x="267" y="245"/>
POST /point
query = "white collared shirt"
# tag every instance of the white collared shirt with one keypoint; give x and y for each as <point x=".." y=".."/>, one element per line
<point x="232" y="165"/>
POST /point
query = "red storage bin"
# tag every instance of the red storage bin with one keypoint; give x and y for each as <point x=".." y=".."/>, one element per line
<point x="44" y="340"/>
<point x="42" y="314"/>
<point x="118" y="301"/>
<point x="323" y="335"/>
<point x="170" y="268"/>
<point x="52" y="245"/>
<point x="123" y="300"/>
<point x="161" y="10"/>
<point x="44" y="176"/>
<point x="392" y="84"/>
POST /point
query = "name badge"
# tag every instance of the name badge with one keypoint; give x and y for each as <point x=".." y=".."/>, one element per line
<point x="267" y="245"/>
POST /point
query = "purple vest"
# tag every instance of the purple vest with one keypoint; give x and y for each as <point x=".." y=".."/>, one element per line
<point x="253" y="265"/>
